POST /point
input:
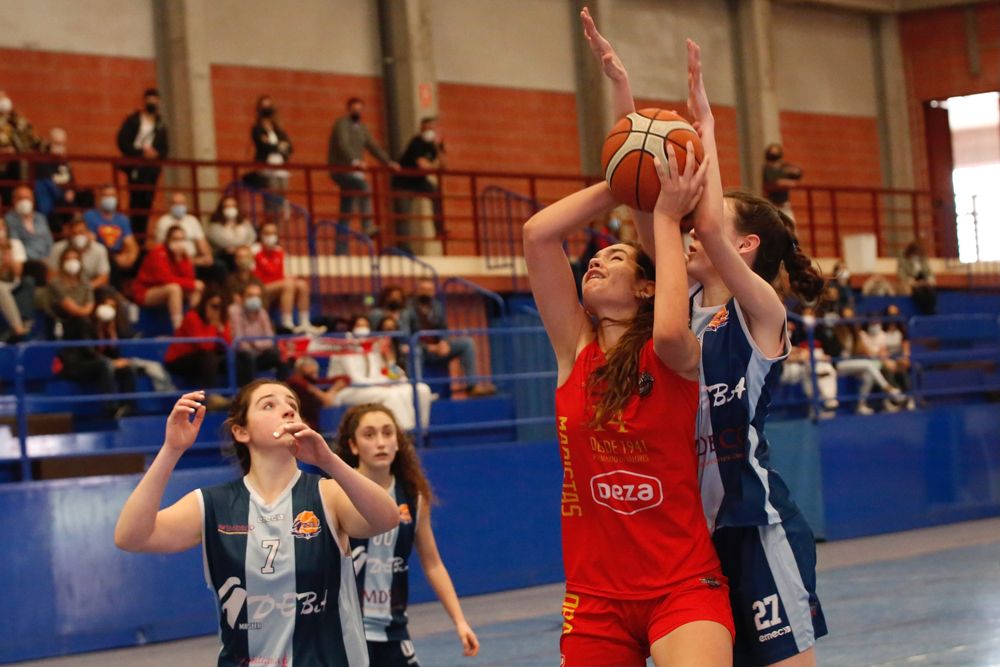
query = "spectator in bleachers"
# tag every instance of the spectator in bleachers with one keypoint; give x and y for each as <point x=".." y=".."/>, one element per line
<point x="842" y="283"/>
<point x="304" y="381"/>
<point x="167" y="276"/>
<point x="110" y="325"/>
<point x="877" y="285"/>
<point x="797" y="368"/>
<point x="203" y="365"/>
<point x="271" y="147"/>
<point x="16" y="136"/>
<point x="243" y="275"/>
<point x="32" y="229"/>
<point x="249" y="318"/>
<point x="391" y="303"/>
<point x="859" y="360"/>
<point x="425" y="151"/>
<point x="14" y="284"/>
<point x="228" y="230"/>
<point x="114" y="231"/>
<point x="54" y="184"/>
<point x="269" y="267"/>
<point x="361" y="360"/>
<point x="349" y="138"/>
<point x="779" y="177"/>
<point x="916" y="278"/>
<point x="426" y="312"/>
<point x="888" y="342"/>
<point x="396" y="348"/>
<point x="70" y="296"/>
<point x="94" y="256"/>
<point x="143" y="136"/>
<point x="198" y="249"/>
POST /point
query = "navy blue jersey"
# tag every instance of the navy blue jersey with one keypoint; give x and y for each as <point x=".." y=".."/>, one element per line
<point x="284" y="586"/>
<point x="738" y="487"/>
<point x="382" y="568"/>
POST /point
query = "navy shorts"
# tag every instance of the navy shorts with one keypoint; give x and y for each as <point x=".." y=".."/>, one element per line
<point x="772" y="587"/>
<point x="392" y="654"/>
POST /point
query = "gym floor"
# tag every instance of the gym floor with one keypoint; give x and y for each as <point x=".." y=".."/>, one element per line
<point x="928" y="598"/>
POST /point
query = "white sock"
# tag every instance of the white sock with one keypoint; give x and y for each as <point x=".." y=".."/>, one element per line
<point x="176" y="321"/>
<point x="286" y="321"/>
<point x="304" y="318"/>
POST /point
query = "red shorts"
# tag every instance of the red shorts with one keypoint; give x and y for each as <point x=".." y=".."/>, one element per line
<point x="605" y="632"/>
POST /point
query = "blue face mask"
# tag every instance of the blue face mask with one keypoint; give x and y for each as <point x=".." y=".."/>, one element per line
<point x="253" y="303"/>
<point x="109" y="203"/>
<point x="178" y="211"/>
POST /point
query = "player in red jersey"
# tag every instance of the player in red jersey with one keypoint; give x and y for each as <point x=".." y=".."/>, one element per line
<point x="642" y="577"/>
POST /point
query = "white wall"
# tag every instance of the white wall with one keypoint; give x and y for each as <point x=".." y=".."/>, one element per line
<point x="509" y="43"/>
<point x="105" y="27"/>
<point x="315" y="35"/>
<point x="823" y="61"/>
<point x="650" y="35"/>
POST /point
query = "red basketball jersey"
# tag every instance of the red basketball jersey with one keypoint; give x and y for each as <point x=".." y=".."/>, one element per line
<point x="632" y="521"/>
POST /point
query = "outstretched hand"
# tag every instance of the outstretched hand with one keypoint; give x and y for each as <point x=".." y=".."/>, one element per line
<point x="602" y="49"/>
<point x="679" y="192"/>
<point x="699" y="110"/>
<point x="305" y="444"/>
<point x="182" y="429"/>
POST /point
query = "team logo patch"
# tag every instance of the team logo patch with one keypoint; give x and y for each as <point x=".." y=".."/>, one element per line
<point x="626" y="492"/>
<point x="306" y="525"/>
<point x="719" y="320"/>
<point x="645" y="384"/>
<point x="404" y="514"/>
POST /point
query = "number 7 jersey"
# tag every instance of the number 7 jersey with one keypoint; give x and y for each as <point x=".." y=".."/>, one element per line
<point x="738" y="486"/>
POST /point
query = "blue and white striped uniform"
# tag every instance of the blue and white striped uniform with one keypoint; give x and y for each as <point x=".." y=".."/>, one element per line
<point x="765" y="546"/>
<point x="285" y="587"/>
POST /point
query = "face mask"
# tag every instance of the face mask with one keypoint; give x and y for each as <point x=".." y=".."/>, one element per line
<point x="361" y="332"/>
<point x="267" y="112"/>
<point x="844" y="276"/>
<point x="6" y="105"/>
<point x="614" y="224"/>
<point x="109" y="203"/>
<point x="874" y="329"/>
<point x="24" y="207"/>
<point x="253" y="303"/>
<point x="270" y="240"/>
<point x="394" y="304"/>
<point x="774" y="156"/>
<point x="356" y="116"/>
<point x="178" y="211"/>
<point x="80" y="241"/>
<point x="425" y="300"/>
<point x="429" y="136"/>
<point x="248" y="264"/>
<point x="105" y="312"/>
<point x="72" y="266"/>
<point x="230" y="213"/>
<point x="57" y="149"/>
<point x="152" y="107"/>
<point x="178" y="247"/>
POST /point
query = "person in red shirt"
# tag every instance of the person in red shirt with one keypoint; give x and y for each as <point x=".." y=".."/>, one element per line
<point x="642" y="576"/>
<point x="167" y="276"/>
<point x="290" y="291"/>
<point x="202" y="364"/>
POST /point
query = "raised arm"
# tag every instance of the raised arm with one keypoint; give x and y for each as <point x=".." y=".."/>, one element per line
<point x="673" y="341"/>
<point x="549" y="271"/>
<point x="611" y="64"/>
<point x="757" y="298"/>
<point x="142" y="525"/>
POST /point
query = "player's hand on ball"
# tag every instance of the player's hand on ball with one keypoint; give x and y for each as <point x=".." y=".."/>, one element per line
<point x="184" y="421"/>
<point x="679" y="192"/>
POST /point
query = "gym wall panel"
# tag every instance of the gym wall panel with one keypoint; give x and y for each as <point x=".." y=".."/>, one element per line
<point x="650" y="35"/>
<point x="105" y="27"/>
<point x="313" y="35"/>
<point x="516" y="43"/>
<point x="823" y="61"/>
<point x="937" y="66"/>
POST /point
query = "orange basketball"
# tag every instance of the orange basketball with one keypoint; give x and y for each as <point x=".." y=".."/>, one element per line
<point x="627" y="156"/>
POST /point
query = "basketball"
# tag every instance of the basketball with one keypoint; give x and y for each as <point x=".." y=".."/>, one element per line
<point x="628" y="152"/>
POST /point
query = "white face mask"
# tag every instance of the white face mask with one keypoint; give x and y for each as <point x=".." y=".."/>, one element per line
<point x="253" y="303"/>
<point x="80" y="241"/>
<point x="178" y="211"/>
<point x="270" y="240"/>
<point x="361" y="332"/>
<point x="24" y="207"/>
<point x="109" y="203"/>
<point x="105" y="312"/>
<point x="429" y="136"/>
<point x="72" y="266"/>
<point x="874" y="329"/>
<point x="230" y="213"/>
<point x="6" y="105"/>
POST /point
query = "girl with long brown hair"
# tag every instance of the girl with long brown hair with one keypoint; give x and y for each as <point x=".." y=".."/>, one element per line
<point x="369" y="438"/>
<point x="275" y="541"/>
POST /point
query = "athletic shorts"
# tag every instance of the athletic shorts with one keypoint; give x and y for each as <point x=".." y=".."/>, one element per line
<point x="772" y="583"/>
<point x="392" y="654"/>
<point x="607" y="632"/>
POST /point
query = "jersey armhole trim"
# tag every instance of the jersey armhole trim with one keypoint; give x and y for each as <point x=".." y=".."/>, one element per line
<point x="199" y="494"/>
<point x="331" y="520"/>
<point x="757" y="352"/>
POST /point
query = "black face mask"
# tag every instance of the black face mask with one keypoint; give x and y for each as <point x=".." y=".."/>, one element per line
<point x="774" y="156"/>
<point x="267" y="112"/>
<point x="394" y="304"/>
<point x="425" y="300"/>
<point x="355" y="116"/>
<point x="152" y="107"/>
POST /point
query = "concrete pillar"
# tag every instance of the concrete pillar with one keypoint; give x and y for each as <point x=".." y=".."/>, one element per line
<point x="409" y="75"/>
<point x="185" y="82"/>
<point x="756" y="90"/>
<point x="594" y="99"/>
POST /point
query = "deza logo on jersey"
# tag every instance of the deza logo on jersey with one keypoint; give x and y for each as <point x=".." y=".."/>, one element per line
<point x="626" y="492"/>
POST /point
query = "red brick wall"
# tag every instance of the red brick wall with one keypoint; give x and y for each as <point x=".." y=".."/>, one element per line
<point x="87" y="95"/>
<point x="936" y="64"/>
